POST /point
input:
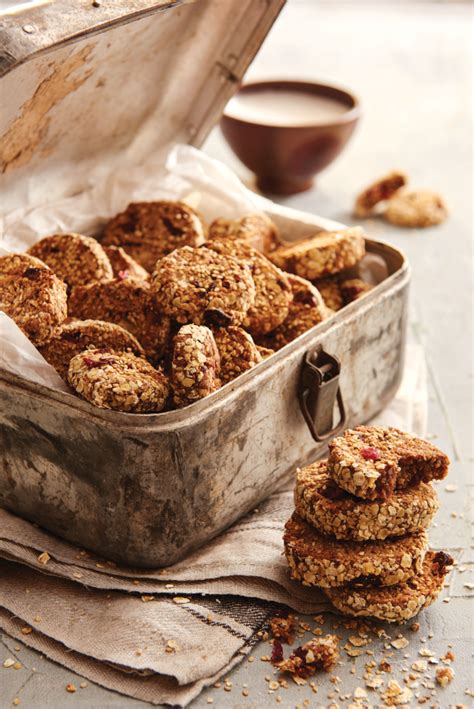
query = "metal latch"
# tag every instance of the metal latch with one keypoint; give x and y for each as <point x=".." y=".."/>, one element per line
<point x="318" y="392"/>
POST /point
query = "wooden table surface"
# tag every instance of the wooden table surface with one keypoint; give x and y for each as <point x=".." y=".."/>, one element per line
<point x="411" y="64"/>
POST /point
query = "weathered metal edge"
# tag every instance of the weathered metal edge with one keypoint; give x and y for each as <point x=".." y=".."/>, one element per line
<point x="36" y="30"/>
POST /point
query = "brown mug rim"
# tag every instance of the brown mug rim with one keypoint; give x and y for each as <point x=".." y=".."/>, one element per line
<point x="312" y="87"/>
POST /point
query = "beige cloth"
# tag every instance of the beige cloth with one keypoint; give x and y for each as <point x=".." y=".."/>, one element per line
<point x="114" y="625"/>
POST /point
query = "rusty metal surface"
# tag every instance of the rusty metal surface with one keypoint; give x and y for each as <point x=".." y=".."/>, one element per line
<point x="82" y="97"/>
<point x="146" y="489"/>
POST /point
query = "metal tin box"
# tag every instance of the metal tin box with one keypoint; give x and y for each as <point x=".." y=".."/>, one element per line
<point x="146" y="489"/>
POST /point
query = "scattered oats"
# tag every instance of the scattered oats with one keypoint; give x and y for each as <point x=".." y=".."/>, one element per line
<point x="251" y="658"/>
<point x="273" y="685"/>
<point x="26" y="630"/>
<point x="419" y="666"/>
<point x="446" y="600"/>
<point x="83" y="685"/>
<point x="17" y="665"/>
<point x="469" y="585"/>
<point x="217" y="685"/>
<point x="278" y="699"/>
<point x="136" y="582"/>
<point x="358" y="641"/>
<point x="374" y="682"/>
<point x="169" y="585"/>
<point x="448" y="657"/>
<point x="16" y="701"/>
<point x="44" y="557"/>
<point x="425" y="652"/>
<point x="444" y="675"/>
<point x="360" y="693"/>
<point x="462" y="569"/>
<point x="9" y="662"/>
<point x="37" y="619"/>
<point x="147" y="599"/>
<point x="469" y="692"/>
<point x="450" y="488"/>
<point x="245" y="692"/>
<point x="395" y="695"/>
<point x="138" y="653"/>
<point x="172" y="646"/>
<point x="298" y="680"/>
<point x="400" y="643"/>
<point x="210" y="700"/>
<point x="100" y="566"/>
<point x="209" y="617"/>
<point x="70" y="688"/>
<point x="265" y="658"/>
<point x="181" y="600"/>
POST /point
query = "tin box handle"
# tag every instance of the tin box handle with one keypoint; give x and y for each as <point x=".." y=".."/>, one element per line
<point x="319" y="390"/>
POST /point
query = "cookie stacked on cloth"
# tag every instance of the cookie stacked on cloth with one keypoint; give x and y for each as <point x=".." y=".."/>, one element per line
<point x="359" y="528"/>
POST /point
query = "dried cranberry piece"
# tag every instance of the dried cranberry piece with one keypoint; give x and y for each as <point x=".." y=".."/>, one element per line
<point x="277" y="652"/>
<point x="92" y="363"/>
<point x="370" y="453"/>
<point x="440" y="562"/>
<point x="32" y="273"/>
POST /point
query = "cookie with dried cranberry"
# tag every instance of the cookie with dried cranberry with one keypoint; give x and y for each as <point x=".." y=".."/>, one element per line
<point x="257" y="230"/>
<point x="395" y="604"/>
<point x="321" y="255"/>
<point x="147" y="231"/>
<point x="416" y="208"/>
<point x="74" y="337"/>
<point x="306" y="310"/>
<point x="202" y="286"/>
<point x="76" y="259"/>
<point x="237" y="350"/>
<point x="124" y="265"/>
<point x="126" y="302"/>
<point x="32" y="295"/>
<point x="118" y="380"/>
<point x="353" y="288"/>
<point x="378" y="192"/>
<point x="371" y="462"/>
<point x="273" y="293"/>
<point x="330" y="291"/>
<point x="195" y="365"/>
<point x="318" y="560"/>
<point x="335" y="512"/>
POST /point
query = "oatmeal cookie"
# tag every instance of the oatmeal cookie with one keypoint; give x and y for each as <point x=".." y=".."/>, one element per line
<point x="399" y="603"/>
<point x="147" y="231"/>
<point x="272" y="288"/>
<point x="370" y="461"/>
<point x="334" y="511"/>
<point x="257" y="230"/>
<point x="416" y="208"/>
<point x="353" y="289"/>
<point x="237" y="350"/>
<point x="32" y="295"/>
<point x="202" y="286"/>
<point x="306" y="310"/>
<point x="126" y="302"/>
<point x="378" y="192"/>
<point x="76" y="259"/>
<point x="338" y="292"/>
<point x="118" y="380"/>
<point x="317" y="560"/>
<point x="79" y="335"/>
<point x="124" y="265"/>
<point x="195" y="365"/>
<point x="321" y="255"/>
<point x="330" y="293"/>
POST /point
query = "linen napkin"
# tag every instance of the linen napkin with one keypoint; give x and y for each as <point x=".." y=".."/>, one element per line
<point x="163" y="635"/>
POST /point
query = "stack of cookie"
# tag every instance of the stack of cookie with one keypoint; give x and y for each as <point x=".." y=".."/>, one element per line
<point x="359" y="528"/>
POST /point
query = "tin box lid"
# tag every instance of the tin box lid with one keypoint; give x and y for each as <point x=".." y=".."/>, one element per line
<point x="90" y="86"/>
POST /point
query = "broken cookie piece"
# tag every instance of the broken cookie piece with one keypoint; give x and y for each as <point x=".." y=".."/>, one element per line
<point x="370" y="461"/>
<point x="380" y="191"/>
